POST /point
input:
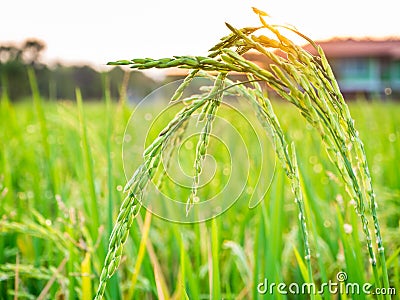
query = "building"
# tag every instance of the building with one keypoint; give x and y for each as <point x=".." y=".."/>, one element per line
<point x="364" y="66"/>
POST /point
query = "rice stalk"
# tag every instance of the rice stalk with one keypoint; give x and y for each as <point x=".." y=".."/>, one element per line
<point x="46" y="289"/>
<point x="304" y="80"/>
<point x="29" y="271"/>
<point x="41" y="228"/>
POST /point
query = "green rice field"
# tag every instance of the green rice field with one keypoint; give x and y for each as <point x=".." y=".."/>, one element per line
<point x="61" y="182"/>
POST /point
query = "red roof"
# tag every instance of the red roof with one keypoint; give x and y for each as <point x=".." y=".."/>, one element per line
<point x="339" y="48"/>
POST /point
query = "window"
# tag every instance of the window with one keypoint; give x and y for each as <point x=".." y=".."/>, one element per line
<point x="356" y="68"/>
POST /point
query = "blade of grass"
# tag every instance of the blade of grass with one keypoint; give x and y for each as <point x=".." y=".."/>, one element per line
<point x="37" y="101"/>
<point x="392" y="261"/>
<point x="180" y="289"/>
<point x="277" y="220"/>
<point x="356" y="246"/>
<point x="161" y="285"/>
<point x="93" y="207"/>
<point x="86" y="277"/>
<point x="188" y="280"/>
<point x="114" y="280"/>
<point x="16" y="279"/>
<point x="259" y="243"/>
<point x="140" y="255"/>
<point x="7" y="121"/>
<point x="109" y="131"/>
<point x="215" y="284"/>
<point x="314" y="223"/>
<point x="182" y="259"/>
<point x="352" y="267"/>
<point x="302" y="265"/>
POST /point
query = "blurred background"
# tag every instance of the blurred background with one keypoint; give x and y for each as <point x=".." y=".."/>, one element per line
<point x="69" y="43"/>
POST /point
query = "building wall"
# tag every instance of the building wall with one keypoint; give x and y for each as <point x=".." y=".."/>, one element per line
<point x="371" y="75"/>
<point x="357" y="74"/>
<point x="394" y="79"/>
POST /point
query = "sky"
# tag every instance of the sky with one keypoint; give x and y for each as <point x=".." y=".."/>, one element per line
<point x="96" y="32"/>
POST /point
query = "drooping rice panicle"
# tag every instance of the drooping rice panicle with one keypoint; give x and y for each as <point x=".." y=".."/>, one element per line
<point x="304" y="80"/>
<point x="214" y="100"/>
<point x="354" y="158"/>
<point x="186" y="82"/>
<point x="169" y="150"/>
<point x="322" y="104"/>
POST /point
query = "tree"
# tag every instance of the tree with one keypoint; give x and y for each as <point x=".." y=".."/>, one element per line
<point x="32" y="50"/>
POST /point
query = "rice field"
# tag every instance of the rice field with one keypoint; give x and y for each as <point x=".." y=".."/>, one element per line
<point x="61" y="181"/>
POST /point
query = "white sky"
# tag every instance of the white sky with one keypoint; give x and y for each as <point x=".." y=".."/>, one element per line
<point x="100" y="31"/>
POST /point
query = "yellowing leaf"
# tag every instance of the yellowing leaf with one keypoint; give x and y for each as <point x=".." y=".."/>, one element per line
<point x="86" y="281"/>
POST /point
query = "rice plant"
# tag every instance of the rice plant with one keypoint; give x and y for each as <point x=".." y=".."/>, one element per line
<point x="165" y="259"/>
<point x="304" y="80"/>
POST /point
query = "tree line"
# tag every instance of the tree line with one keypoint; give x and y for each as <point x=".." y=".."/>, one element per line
<point x="60" y="81"/>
